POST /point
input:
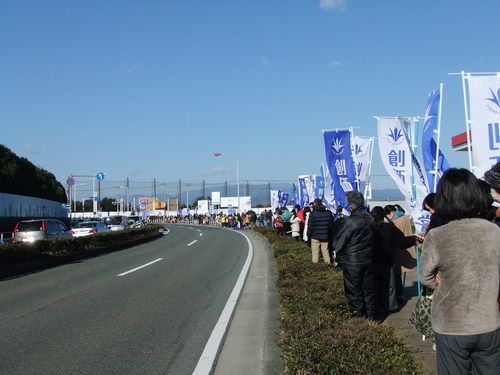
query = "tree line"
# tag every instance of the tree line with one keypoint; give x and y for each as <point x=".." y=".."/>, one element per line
<point x="19" y="176"/>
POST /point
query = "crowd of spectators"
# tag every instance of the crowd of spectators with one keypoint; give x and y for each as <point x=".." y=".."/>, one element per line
<point x="460" y="263"/>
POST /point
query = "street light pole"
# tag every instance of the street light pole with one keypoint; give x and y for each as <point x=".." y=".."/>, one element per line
<point x="187" y="195"/>
<point x="237" y="175"/>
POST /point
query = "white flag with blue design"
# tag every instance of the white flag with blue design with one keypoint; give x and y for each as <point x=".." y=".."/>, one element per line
<point x="328" y="193"/>
<point x="403" y="166"/>
<point x="362" y="156"/>
<point x="484" y="99"/>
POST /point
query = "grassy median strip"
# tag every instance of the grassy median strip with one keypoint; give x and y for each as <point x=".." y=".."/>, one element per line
<point x="57" y="247"/>
<point x="318" y="336"/>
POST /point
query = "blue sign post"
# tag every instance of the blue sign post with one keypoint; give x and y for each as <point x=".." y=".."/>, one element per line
<point x="99" y="176"/>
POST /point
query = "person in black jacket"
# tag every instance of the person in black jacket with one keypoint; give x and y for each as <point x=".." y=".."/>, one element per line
<point x="319" y="230"/>
<point x="386" y="239"/>
<point x="353" y="244"/>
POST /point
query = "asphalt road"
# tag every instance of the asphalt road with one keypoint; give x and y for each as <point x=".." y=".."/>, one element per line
<point x="105" y="315"/>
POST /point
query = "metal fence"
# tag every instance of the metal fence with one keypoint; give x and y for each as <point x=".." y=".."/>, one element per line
<point x="129" y="190"/>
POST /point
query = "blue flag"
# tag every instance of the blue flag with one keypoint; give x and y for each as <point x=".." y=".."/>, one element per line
<point x="284" y="199"/>
<point x="429" y="145"/>
<point x="295" y="196"/>
<point x="340" y="163"/>
<point x="319" y="186"/>
<point x="304" y="195"/>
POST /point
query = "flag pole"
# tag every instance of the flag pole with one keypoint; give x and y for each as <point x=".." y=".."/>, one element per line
<point x="467" y="120"/>
<point x="368" y="187"/>
<point x="353" y="155"/>
<point x="438" y="135"/>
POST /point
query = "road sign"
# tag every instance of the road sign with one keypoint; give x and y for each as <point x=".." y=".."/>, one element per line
<point x="100" y="176"/>
<point x="70" y="181"/>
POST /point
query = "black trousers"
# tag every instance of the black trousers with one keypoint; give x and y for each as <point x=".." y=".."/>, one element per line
<point x="471" y="354"/>
<point x="358" y="287"/>
<point x="384" y="289"/>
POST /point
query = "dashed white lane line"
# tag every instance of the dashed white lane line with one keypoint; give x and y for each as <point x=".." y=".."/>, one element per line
<point x="189" y="244"/>
<point x="138" y="268"/>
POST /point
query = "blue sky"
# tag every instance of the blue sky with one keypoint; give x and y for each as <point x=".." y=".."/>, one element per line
<point x="151" y="89"/>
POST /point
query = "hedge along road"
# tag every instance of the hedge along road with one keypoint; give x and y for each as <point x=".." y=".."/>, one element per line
<point x="149" y="309"/>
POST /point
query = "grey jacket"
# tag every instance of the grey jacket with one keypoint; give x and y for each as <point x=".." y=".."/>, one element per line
<point x="466" y="254"/>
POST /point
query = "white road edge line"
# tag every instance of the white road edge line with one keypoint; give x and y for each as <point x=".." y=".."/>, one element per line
<point x="138" y="268"/>
<point x="189" y="244"/>
<point x="207" y="359"/>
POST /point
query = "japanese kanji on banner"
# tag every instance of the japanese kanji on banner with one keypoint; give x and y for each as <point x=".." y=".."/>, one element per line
<point x="395" y="153"/>
<point x="319" y="186"/>
<point x="484" y="99"/>
<point x="340" y="163"/>
<point x="402" y="165"/>
<point x="362" y="155"/>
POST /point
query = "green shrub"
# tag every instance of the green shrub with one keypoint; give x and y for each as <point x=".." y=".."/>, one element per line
<point x="22" y="252"/>
<point x="318" y="335"/>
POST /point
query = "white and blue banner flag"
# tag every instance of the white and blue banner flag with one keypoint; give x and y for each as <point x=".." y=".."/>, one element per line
<point x="340" y="163"/>
<point x="429" y="146"/>
<point x="484" y="103"/>
<point x="275" y="199"/>
<point x="362" y="155"/>
<point x="304" y="182"/>
<point x="328" y="196"/>
<point x="403" y="166"/>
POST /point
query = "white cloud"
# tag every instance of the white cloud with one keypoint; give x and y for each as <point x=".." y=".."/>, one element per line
<point x="335" y="63"/>
<point x="130" y="68"/>
<point x="264" y="61"/>
<point x="216" y="171"/>
<point x="333" y="4"/>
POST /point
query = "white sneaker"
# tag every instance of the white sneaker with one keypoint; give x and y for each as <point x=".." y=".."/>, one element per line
<point x="434" y="347"/>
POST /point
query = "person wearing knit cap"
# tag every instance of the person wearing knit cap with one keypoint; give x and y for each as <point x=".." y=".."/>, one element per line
<point x="492" y="178"/>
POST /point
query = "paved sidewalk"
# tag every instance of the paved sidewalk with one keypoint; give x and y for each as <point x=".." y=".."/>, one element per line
<point x="251" y="345"/>
<point x="400" y="320"/>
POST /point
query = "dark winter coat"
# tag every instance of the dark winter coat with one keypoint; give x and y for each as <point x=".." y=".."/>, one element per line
<point x="319" y="225"/>
<point x="353" y="242"/>
<point x="386" y="239"/>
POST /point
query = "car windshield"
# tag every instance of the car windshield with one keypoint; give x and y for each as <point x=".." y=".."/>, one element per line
<point x="113" y="220"/>
<point x="86" y="225"/>
<point x="29" y="226"/>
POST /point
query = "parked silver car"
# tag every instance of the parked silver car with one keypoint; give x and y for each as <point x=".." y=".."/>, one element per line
<point x="86" y="228"/>
<point x="39" y="229"/>
<point x="116" y="222"/>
